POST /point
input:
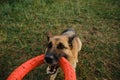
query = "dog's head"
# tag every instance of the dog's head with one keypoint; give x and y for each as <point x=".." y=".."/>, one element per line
<point x="57" y="47"/>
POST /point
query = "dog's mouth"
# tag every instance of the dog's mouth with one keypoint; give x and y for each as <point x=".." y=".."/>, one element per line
<point x="52" y="61"/>
<point x="52" y="69"/>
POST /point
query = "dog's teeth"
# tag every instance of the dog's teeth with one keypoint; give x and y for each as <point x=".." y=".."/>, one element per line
<point x="52" y="69"/>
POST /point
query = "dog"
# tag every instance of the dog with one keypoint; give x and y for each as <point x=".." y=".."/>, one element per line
<point x="67" y="45"/>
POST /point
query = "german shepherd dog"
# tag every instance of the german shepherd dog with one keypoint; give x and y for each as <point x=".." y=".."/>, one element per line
<point x="67" y="45"/>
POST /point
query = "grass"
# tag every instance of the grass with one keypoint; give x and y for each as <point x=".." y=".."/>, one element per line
<point x="23" y="27"/>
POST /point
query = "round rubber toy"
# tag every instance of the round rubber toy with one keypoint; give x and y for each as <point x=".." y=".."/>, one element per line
<point x="25" y="68"/>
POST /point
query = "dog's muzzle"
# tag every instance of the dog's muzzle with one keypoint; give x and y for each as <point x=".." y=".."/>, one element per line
<point x="52" y="60"/>
<point x="49" y="59"/>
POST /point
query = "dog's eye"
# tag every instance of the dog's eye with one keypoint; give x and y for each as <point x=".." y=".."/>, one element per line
<point x="49" y="45"/>
<point x="60" y="46"/>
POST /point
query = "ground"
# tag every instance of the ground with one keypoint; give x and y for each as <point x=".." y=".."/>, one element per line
<point x="23" y="27"/>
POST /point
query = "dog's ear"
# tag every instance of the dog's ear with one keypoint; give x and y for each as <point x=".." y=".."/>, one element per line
<point x="49" y="35"/>
<point x="70" y="40"/>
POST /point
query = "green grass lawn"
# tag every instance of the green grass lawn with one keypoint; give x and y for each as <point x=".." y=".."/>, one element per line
<point x="23" y="27"/>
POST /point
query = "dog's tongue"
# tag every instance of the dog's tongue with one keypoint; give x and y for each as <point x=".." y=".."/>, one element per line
<point x="52" y="69"/>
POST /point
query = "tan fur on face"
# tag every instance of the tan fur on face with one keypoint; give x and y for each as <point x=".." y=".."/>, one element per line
<point x="64" y="40"/>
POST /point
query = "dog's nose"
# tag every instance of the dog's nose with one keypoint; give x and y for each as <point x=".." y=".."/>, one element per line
<point x="49" y="59"/>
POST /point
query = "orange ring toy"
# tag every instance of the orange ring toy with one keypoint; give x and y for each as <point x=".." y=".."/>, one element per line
<point x="29" y="65"/>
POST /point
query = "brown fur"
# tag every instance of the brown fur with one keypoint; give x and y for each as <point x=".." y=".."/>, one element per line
<point x="64" y="49"/>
